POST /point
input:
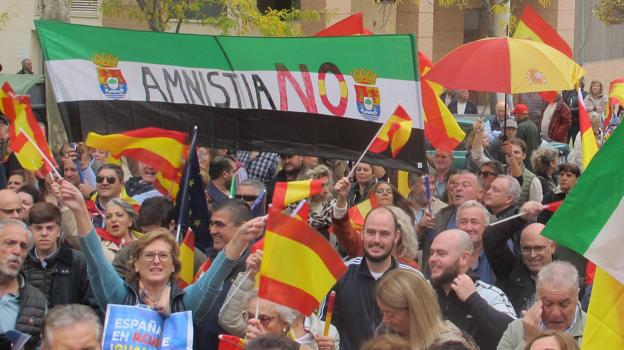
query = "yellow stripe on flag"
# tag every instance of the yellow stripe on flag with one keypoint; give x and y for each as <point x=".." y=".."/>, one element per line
<point x="117" y="143"/>
<point x="187" y="258"/>
<point x="280" y="266"/>
<point x="604" y="328"/>
<point x="524" y="32"/>
<point x="403" y="182"/>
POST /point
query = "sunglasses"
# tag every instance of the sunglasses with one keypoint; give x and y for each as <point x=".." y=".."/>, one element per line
<point x="110" y="179"/>
<point x="246" y="197"/>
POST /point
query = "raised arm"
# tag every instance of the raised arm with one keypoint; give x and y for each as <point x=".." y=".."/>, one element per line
<point x="200" y="295"/>
<point x="107" y="286"/>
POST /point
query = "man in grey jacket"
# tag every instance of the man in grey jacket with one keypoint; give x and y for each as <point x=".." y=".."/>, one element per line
<point x="557" y="308"/>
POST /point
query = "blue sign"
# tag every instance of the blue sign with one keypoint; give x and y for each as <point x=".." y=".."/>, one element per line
<point x="134" y="327"/>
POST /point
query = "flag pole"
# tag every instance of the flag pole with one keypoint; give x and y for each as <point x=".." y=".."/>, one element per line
<point x="185" y="186"/>
<point x="366" y="150"/>
<point x="41" y="152"/>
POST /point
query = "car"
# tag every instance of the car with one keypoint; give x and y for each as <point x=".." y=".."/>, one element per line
<point x="466" y="121"/>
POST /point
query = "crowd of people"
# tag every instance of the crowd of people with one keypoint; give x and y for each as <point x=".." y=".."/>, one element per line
<point x="430" y="269"/>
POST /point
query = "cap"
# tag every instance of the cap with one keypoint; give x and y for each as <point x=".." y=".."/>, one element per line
<point x="520" y="109"/>
<point x="511" y="123"/>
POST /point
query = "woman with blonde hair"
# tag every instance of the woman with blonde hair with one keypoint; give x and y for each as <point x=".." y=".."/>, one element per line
<point x="552" y="340"/>
<point x="410" y="309"/>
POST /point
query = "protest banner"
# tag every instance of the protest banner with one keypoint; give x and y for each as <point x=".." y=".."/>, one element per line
<point x="139" y="328"/>
<point x="313" y="96"/>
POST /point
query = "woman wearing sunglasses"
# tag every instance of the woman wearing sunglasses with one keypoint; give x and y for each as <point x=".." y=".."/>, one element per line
<point x="154" y="266"/>
<point x="238" y="316"/>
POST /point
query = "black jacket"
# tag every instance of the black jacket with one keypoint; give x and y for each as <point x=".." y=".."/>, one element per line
<point x="356" y="315"/>
<point x="471" y="107"/>
<point x="64" y="280"/>
<point x="512" y="276"/>
<point x="474" y="316"/>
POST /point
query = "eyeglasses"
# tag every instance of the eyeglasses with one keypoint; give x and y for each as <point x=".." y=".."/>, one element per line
<point x="487" y="174"/>
<point x="246" y="197"/>
<point x="150" y="256"/>
<point x="384" y="190"/>
<point x="264" y="319"/>
<point x="538" y="249"/>
<point x="110" y="179"/>
<point x="11" y="211"/>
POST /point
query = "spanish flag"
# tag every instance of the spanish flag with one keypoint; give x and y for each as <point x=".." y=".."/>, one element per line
<point x="616" y="97"/>
<point x="19" y="112"/>
<point x="289" y="192"/>
<point x="187" y="258"/>
<point x="164" y="150"/>
<point x="441" y="128"/>
<point x="395" y="133"/>
<point x="357" y="213"/>
<point x="588" y="139"/>
<point x="533" y="27"/>
<point x="299" y="266"/>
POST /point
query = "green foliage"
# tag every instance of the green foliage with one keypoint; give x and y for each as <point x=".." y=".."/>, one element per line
<point x="4" y="20"/>
<point x="237" y="17"/>
<point x="610" y="12"/>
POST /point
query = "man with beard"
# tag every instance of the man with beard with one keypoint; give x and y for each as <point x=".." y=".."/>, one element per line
<point x="356" y="315"/>
<point x="221" y="172"/>
<point x="22" y="306"/>
<point x="479" y="309"/>
<point x="292" y="165"/>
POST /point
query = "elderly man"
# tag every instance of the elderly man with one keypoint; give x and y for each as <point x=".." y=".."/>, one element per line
<point x="515" y="273"/>
<point x="479" y="309"/>
<point x="464" y="186"/>
<point x="442" y="166"/>
<point x="356" y="314"/>
<point x="71" y="326"/>
<point x="473" y="218"/>
<point x="462" y="105"/>
<point x="557" y="308"/>
<point x="26" y="67"/>
<point x="249" y="190"/>
<point x="22" y="306"/>
<point x="10" y="205"/>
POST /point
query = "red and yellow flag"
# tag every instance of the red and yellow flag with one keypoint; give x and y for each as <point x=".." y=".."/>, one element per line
<point x="357" y="213"/>
<point x="299" y="266"/>
<point x="616" y="97"/>
<point x="164" y="150"/>
<point x="533" y="27"/>
<point x="352" y="25"/>
<point x="441" y="128"/>
<point x="395" y="133"/>
<point x="187" y="258"/>
<point x="289" y="192"/>
<point x="23" y="125"/>
<point x="230" y="342"/>
<point x="588" y="139"/>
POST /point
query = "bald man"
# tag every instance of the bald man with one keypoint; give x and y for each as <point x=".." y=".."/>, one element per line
<point x="10" y="205"/>
<point x="479" y="309"/>
<point x="515" y="274"/>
